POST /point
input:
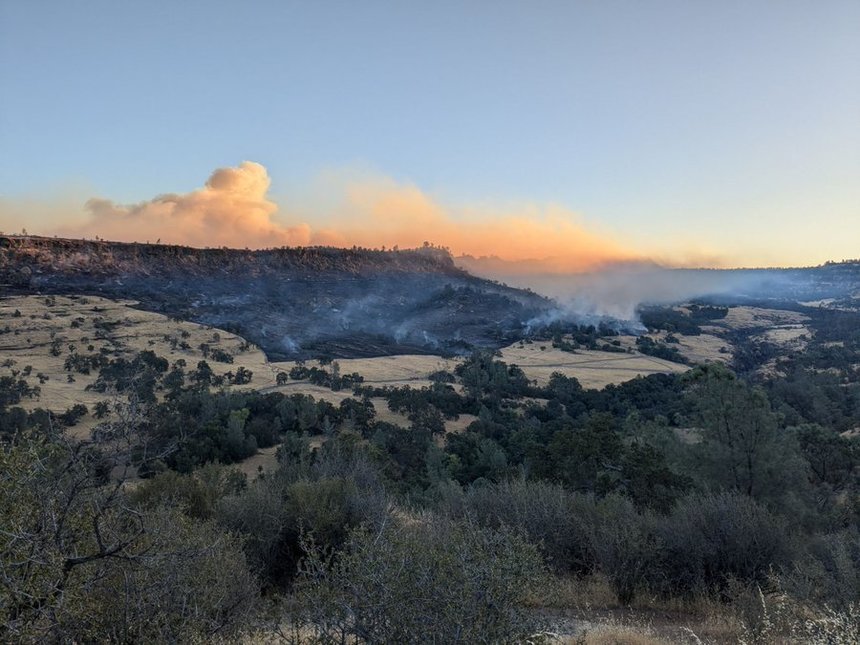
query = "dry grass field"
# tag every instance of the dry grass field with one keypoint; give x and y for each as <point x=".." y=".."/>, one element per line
<point x="751" y="317"/>
<point x="785" y="328"/>
<point x="40" y="332"/>
<point x="697" y="349"/>
<point x="593" y="369"/>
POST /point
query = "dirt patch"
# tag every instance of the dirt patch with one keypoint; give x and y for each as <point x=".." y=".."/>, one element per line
<point x="265" y="460"/>
<point x="460" y="424"/>
<point x="791" y="336"/>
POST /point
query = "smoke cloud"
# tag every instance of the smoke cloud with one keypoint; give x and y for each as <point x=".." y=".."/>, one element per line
<point x="233" y="209"/>
<point x="385" y="213"/>
<point x="615" y="291"/>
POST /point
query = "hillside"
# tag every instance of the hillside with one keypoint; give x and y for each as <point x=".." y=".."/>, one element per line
<point x="292" y="302"/>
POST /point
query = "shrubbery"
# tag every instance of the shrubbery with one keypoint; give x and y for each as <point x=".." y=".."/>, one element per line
<point x="414" y="581"/>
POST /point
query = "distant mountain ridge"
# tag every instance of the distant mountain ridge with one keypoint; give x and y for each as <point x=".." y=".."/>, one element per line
<point x="292" y="302"/>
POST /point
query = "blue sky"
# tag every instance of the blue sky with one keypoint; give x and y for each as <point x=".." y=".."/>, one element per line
<point x="729" y="128"/>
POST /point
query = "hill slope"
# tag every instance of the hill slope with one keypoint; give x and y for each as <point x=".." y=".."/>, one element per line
<point x="292" y="302"/>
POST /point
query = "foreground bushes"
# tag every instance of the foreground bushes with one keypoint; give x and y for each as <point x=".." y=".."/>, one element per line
<point x="827" y="571"/>
<point x="187" y="582"/>
<point x="81" y="562"/>
<point x="420" y="581"/>
<point x="549" y="515"/>
<point x="705" y="542"/>
<point x="326" y="497"/>
<point x="708" y="540"/>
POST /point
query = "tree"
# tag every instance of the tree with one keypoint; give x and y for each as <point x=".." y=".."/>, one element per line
<point x="742" y="446"/>
<point x="101" y="409"/>
<point x="79" y="562"/>
<point x="203" y="374"/>
<point x="832" y="458"/>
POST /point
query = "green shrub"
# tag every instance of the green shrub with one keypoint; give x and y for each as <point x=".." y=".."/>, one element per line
<point x="327" y="498"/>
<point x="555" y="519"/>
<point x="625" y="545"/>
<point x="711" y="539"/>
<point x="189" y="582"/>
<point x="425" y="581"/>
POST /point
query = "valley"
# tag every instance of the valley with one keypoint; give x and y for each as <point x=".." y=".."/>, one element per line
<point x="520" y="412"/>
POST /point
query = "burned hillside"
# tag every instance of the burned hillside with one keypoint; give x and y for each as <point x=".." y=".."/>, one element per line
<point x="292" y="302"/>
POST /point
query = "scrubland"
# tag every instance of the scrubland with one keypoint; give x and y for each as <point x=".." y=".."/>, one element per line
<point x="567" y="489"/>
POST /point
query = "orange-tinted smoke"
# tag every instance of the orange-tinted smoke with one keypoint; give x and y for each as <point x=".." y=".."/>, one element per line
<point x="233" y="209"/>
<point x="542" y="238"/>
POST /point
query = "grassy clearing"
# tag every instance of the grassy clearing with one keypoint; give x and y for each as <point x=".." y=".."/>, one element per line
<point x="593" y="369"/>
<point x="42" y="331"/>
<point x="703" y="348"/>
<point x="586" y="612"/>
<point x="754" y="317"/>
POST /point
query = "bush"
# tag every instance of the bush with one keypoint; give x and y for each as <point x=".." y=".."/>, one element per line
<point x="80" y="563"/>
<point x="625" y="546"/>
<point x="189" y="583"/>
<point x="828" y="572"/>
<point x="711" y="539"/>
<point x="196" y="494"/>
<point x="422" y="581"/>
<point x="327" y="498"/>
<point x="553" y="518"/>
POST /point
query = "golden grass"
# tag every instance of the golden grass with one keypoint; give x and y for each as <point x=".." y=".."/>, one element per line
<point x="593" y="369"/>
<point x="588" y="611"/>
<point x="703" y="348"/>
<point x="749" y="317"/>
<point x="73" y="321"/>
<point x="616" y="635"/>
<point x="386" y="415"/>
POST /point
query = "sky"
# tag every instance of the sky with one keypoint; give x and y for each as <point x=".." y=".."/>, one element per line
<point x="691" y="133"/>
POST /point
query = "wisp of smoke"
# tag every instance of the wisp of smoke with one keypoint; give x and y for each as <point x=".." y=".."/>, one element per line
<point x="615" y="291"/>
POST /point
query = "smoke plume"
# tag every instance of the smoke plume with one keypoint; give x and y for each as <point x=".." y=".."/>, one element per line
<point x="233" y="209"/>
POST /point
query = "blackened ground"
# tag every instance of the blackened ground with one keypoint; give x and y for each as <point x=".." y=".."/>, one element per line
<point x="293" y="303"/>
